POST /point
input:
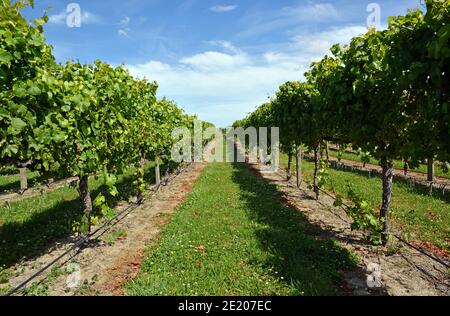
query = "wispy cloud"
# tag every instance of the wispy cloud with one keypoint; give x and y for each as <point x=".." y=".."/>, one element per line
<point x="223" y="8"/>
<point x="318" y="44"/>
<point x="228" y="46"/>
<point x="58" y="18"/>
<point x="86" y="18"/>
<point x="258" y="23"/>
<point x="185" y="6"/>
<point x="319" y="12"/>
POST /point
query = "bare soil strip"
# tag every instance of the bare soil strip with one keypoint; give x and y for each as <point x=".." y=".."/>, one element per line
<point x="105" y="265"/>
<point x="404" y="271"/>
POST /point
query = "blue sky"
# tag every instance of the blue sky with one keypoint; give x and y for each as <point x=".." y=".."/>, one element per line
<point x="217" y="59"/>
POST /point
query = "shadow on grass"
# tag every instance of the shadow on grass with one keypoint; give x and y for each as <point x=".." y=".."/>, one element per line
<point x="11" y="183"/>
<point x="23" y="240"/>
<point x="313" y="263"/>
<point x="415" y="188"/>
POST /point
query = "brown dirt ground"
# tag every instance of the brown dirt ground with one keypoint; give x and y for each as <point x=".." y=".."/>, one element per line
<point x="404" y="271"/>
<point x="106" y="264"/>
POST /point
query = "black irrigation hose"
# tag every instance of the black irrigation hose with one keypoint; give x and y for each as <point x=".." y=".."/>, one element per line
<point x="131" y="208"/>
<point x="51" y="263"/>
<point x="76" y="245"/>
<point x="423" y="252"/>
<point x="87" y="237"/>
<point x="399" y="238"/>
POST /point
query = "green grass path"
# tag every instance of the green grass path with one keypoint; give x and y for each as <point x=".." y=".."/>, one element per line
<point x="233" y="237"/>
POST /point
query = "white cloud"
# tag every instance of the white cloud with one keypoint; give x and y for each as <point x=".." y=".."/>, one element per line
<point x="320" y="12"/>
<point x="218" y="87"/>
<point x="224" y="86"/>
<point x="263" y="22"/>
<point x="58" y="18"/>
<point x="320" y="43"/>
<point x="223" y="8"/>
<point x="86" y="18"/>
<point x="212" y="61"/>
<point x="90" y="18"/>
<point x="225" y="45"/>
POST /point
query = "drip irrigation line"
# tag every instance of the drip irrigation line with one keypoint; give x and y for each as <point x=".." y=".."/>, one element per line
<point x="46" y="267"/>
<point x="130" y="209"/>
<point x="86" y="238"/>
<point x="399" y="238"/>
<point x="423" y="252"/>
<point x="396" y="236"/>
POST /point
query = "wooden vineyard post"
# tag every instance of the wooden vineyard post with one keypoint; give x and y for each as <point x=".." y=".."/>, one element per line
<point x="316" y="171"/>
<point x="50" y="182"/>
<point x="86" y="200"/>
<point x="157" y="172"/>
<point x="430" y="170"/>
<point x="387" y="178"/>
<point x="298" y="169"/>
<point x="289" y="168"/>
<point x="23" y="179"/>
<point x="140" y="179"/>
<point x="405" y="168"/>
<point x="339" y="153"/>
<point x="167" y="173"/>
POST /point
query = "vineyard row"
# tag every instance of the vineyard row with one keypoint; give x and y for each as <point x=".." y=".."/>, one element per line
<point x="386" y="93"/>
